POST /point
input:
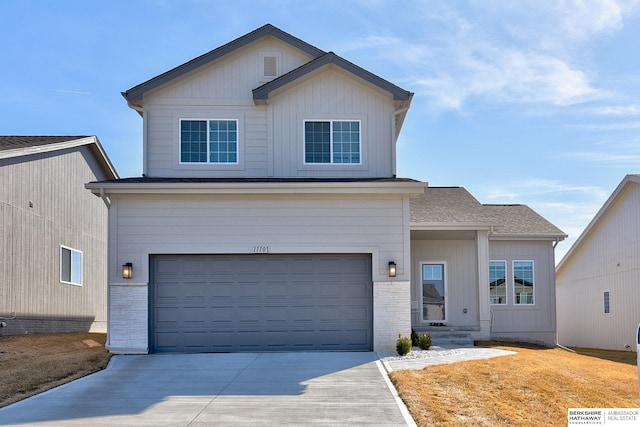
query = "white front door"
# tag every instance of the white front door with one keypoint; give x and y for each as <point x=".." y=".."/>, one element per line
<point x="433" y="292"/>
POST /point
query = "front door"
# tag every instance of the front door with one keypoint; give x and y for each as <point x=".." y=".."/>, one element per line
<point x="433" y="293"/>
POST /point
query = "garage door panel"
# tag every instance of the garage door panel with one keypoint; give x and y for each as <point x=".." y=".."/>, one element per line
<point x="261" y="303"/>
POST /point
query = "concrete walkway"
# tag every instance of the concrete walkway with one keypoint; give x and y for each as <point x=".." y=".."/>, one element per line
<point x="333" y="388"/>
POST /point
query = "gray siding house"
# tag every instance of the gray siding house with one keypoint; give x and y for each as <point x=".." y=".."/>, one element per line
<point x="599" y="277"/>
<point x="53" y="234"/>
<point x="270" y="217"/>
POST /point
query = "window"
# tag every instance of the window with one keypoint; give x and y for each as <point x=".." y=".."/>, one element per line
<point x="523" y="284"/>
<point x="433" y="293"/>
<point x="498" y="282"/>
<point x="607" y="308"/>
<point x="70" y="266"/>
<point x="209" y="141"/>
<point x="332" y="142"/>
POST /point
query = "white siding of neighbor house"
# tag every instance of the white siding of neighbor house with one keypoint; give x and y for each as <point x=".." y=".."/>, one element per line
<point x="461" y="279"/>
<point x="608" y="259"/>
<point x="270" y="136"/>
<point x="536" y="322"/>
<point x="171" y="224"/>
<point x="63" y="212"/>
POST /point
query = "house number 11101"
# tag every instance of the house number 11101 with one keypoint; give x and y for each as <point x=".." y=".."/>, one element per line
<point x="261" y="249"/>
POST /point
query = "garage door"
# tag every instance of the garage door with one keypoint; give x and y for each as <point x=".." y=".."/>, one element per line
<point x="231" y="303"/>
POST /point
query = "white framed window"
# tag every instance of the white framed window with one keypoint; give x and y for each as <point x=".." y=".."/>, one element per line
<point x="434" y="292"/>
<point x="210" y="141"/>
<point x="523" y="283"/>
<point x="607" y="306"/>
<point x="332" y="142"/>
<point x="70" y="266"/>
<point x="497" y="282"/>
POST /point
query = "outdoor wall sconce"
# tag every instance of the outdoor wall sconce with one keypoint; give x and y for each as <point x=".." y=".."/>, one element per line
<point x="127" y="270"/>
<point x="392" y="269"/>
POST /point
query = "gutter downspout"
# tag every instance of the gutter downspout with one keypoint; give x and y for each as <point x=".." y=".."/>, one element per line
<point x="104" y="198"/>
<point x="143" y="112"/>
<point x="394" y="138"/>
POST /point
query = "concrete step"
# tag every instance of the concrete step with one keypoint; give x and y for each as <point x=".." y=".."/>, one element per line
<point x="449" y="338"/>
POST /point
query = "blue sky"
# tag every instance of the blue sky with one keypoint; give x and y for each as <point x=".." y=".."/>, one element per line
<point x="533" y="102"/>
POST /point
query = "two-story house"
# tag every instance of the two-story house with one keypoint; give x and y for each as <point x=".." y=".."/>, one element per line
<point x="269" y="216"/>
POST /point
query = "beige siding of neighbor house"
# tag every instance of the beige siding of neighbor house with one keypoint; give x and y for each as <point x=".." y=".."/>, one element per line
<point x="233" y="224"/>
<point x="537" y="322"/>
<point x="461" y="279"/>
<point x="43" y="205"/>
<point x="608" y="259"/>
<point x="220" y="90"/>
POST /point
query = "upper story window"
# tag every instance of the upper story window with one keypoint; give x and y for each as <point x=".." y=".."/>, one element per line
<point x="70" y="266"/>
<point x="209" y="141"/>
<point x="523" y="283"/>
<point x="498" y="282"/>
<point x="332" y="142"/>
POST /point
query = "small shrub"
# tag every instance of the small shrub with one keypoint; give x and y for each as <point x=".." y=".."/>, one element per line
<point x="403" y="345"/>
<point x="414" y="338"/>
<point x="424" y="341"/>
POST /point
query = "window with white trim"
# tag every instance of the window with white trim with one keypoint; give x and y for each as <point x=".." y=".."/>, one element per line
<point x="332" y="142"/>
<point x="70" y="266"/>
<point x="209" y="141"/>
<point x="523" y="282"/>
<point x="497" y="282"/>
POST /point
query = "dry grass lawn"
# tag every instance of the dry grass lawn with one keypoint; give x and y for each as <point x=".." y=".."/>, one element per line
<point x="534" y="387"/>
<point x="31" y="364"/>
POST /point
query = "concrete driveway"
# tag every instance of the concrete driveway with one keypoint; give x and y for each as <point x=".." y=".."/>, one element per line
<point x="334" y="388"/>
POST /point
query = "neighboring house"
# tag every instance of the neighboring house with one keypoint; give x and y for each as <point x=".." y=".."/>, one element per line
<point x="53" y="234"/>
<point x="598" y="280"/>
<point x="270" y="217"/>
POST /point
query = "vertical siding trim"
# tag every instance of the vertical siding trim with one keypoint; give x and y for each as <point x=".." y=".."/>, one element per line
<point x="484" y="309"/>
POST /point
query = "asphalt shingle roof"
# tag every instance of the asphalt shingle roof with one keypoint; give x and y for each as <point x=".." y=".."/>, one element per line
<point x="456" y="206"/>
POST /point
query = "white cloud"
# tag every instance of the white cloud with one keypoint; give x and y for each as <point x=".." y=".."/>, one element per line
<point x="520" y="52"/>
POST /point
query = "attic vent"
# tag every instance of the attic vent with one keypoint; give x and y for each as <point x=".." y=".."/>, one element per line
<point x="270" y="69"/>
<point x="270" y="63"/>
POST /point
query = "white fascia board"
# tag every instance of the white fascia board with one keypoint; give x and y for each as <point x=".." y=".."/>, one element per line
<point x="46" y="148"/>
<point x="410" y="189"/>
<point x="430" y="226"/>
<point x="551" y="237"/>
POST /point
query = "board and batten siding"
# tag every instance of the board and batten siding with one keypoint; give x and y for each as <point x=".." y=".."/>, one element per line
<point x="607" y="260"/>
<point x="43" y="205"/>
<point x="461" y="279"/>
<point x="332" y="95"/>
<point x="221" y="90"/>
<point x="536" y="322"/>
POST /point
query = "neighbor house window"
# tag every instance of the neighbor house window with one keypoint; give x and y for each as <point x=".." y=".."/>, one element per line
<point x="70" y="266"/>
<point x="332" y="142"/>
<point x="209" y="141"/>
<point x="498" y="282"/>
<point x="523" y="283"/>
<point x="607" y="308"/>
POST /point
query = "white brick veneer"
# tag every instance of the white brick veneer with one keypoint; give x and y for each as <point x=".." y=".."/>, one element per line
<point x="128" y="318"/>
<point x="391" y="313"/>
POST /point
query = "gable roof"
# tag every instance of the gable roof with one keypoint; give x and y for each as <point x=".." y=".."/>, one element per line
<point x="321" y="58"/>
<point x="629" y="179"/>
<point x="455" y="208"/>
<point x="136" y="92"/>
<point x="261" y="94"/>
<point x="12" y="146"/>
